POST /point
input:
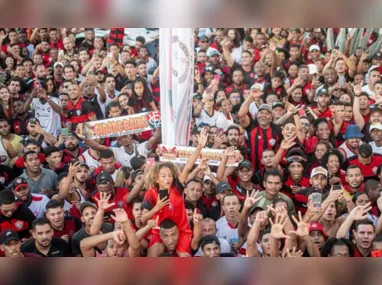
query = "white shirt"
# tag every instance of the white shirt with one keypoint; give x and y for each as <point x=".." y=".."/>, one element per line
<point x="102" y="106"/>
<point x="38" y="205"/>
<point x="223" y="122"/>
<point x="4" y="157"/>
<point x="205" y="118"/>
<point x="366" y="89"/>
<point x="124" y="157"/>
<point x="225" y="247"/>
<point x="151" y="63"/>
<point x="50" y="121"/>
<point x="236" y="54"/>
<point x="68" y="206"/>
<point x="376" y="149"/>
<point x="90" y="161"/>
<point x="225" y="231"/>
<point x="253" y="109"/>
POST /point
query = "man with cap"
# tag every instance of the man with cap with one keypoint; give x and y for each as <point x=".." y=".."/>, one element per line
<point x="272" y="186"/>
<point x="317" y="234"/>
<point x="321" y="110"/>
<point x="88" y="211"/>
<point x="352" y="142"/>
<point x="319" y="178"/>
<point x="376" y="135"/>
<point x="35" y="202"/>
<point x="278" y="110"/>
<point x="315" y="52"/>
<point x="262" y="133"/>
<point x="222" y="189"/>
<point x="197" y="105"/>
<point x="116" y="195"/>
<point x="10" y="244"/>
<point x="367" y="161"/>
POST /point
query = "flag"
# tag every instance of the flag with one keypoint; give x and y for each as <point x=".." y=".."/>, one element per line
<point x="176" y="51"/>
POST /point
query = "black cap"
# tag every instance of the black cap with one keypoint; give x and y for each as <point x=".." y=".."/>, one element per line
<point x="365" y="150"/>
<point x="322" y="91"/>
<point x="197" y="96"/>
<point x="222" y="186"/>
<point x="278" y="104"/>
<point x="245" y="163"/>
<point x="87" y="204"/>
<point x="98" y="71"/>
<point x="135" y="174"/>
<point x="137" y="161"/>
<point x="19" y="182"/>
<point x="8" y="235"/>
<point x="208" y="239"/>
<point x="104" y="178"/>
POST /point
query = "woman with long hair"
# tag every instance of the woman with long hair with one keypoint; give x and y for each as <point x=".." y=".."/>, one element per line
<point x="6" y="102"/>
<point x="49" y="87"/>
<point x="332" y="161"/>
<point x="141" y="98"/>
<point x="164" y="200"/>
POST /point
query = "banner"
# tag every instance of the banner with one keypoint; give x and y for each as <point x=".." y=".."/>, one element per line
<point x="181" y="154"/>
<point x="120" y="126"/>
<point x="176" y="82"/>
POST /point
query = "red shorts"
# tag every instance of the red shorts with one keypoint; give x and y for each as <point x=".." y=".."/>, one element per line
<point x="184" y="242"/>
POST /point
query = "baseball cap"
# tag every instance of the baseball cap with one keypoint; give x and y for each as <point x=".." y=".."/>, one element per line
<point x="137" y="161"/>
<point x="58" y="63"/>
<point x="245" y="163"/>
<point x="98" y="71"/>
<point x="265" y="107"/>
<point x="135" y="174"/>
<point x="319" y="170"/>
<point x="375" y="108"/>
<point x="278" y="104"/>
<point x="209" y="239"/>
<point x="206" y="177"/>
<point x="204" y="37"/>
<point x="104" y="178"/>
<point x="314" y="47"/>
<point x="197" y="96"/>
<point x="376" y="126"/>
<point x="254" y="208"/>
<point x="374" y="67"/>
<point x="8" y="235"/>
<point x="213" y="52"/>
<point x="316" y="226"/>
<point x="87" y="204"/>
<point x="222" y="186"/>
<point x="322" y="91"/>
<point x="19" y="182"/>
<point x="207" y="69"/>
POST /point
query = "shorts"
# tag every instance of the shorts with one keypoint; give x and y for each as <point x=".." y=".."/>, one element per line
<point x="184" y="242"/>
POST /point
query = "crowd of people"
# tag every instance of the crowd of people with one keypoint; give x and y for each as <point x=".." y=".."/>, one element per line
<point x="305" y="120"/>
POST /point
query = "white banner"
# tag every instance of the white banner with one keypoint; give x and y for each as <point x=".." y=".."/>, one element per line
<point x="176" y="84"/>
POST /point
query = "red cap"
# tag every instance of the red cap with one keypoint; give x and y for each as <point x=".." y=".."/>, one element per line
<point x="316" y="226"/>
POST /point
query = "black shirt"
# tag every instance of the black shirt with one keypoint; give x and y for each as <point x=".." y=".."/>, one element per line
<point x="82" y="234"/>
<point x="20" y="221"/>
<point x="58" y="248"/>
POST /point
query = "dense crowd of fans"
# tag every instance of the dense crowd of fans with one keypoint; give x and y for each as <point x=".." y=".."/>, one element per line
<point x="305" y="121"/>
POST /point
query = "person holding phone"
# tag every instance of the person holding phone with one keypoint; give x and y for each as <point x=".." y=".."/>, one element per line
<point x="164" y="200"/>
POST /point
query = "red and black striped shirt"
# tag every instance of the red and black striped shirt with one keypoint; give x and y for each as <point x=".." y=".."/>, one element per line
<point x="80" y="112"/>
<point x="261" y="139"/>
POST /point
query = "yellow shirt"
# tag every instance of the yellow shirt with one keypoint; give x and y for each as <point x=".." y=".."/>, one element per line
<point x="16" y="142"/>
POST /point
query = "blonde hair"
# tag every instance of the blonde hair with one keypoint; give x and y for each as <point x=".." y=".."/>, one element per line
<point x="152" y="175"/>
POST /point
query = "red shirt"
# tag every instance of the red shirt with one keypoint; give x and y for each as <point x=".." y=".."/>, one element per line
<point x="368" y="170"/>
<point x="357" y="253"/>
<point x="71" y="226"/>
<point x="80" y="112"/>
<point x="67" y="157"/>
<point x="361" y="189"/>
<point x="326" y="114"/>
<point x="175" y="211"/>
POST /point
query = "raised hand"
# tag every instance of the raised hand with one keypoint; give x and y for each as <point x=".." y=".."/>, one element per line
<point x="360" y="212"/>
<point x="288" y="143"/>
<point x="119" y="237"/>
<point x="196" y="218"/>
<point x="153" y="224"/>
<point x="256" y="93"/>
<point x="103" y="202"/>
<point x="277" y="230"/>
<point x="293" y="253"/>
<point x="203" y="137"/>
<point x="251" y="199"/>
<point x="229" y="151"/>
<point x="120" y="215"/>
<point x="302" y="227"/>
<point x="358" y="89"/>
<point x="261" y="218"/>
<point x="73" y="169"/>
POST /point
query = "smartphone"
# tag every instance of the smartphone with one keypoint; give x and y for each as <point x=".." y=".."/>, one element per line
<point x="306" y="36"/>
<point x="337" y="187"/>
<point x="316" y="198"/>
<point x="64" y="132"/>
<point x="109" y="54"/>
<point x="150" y="162"/>
<point x="341" y="81"/>
<point x="217" y="77"/>
<point x="163" y="194"/>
